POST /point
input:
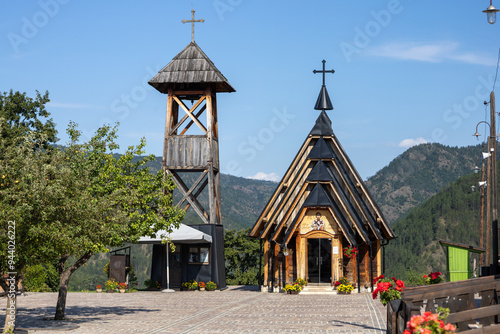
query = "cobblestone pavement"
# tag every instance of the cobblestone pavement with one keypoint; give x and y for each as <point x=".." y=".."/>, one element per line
<point x="235" y="310"/>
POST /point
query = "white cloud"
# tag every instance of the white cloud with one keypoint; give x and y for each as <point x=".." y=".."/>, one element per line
<point x="407" y="143"/>
<point x="430" y="52"/>
<point x="266" y="177"/>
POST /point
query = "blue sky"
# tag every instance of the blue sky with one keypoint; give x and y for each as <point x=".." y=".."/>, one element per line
<point x="406" y="71"/>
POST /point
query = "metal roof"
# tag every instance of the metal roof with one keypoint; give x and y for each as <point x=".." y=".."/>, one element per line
<point x="191" y="69"/>
<point x="323" y="126"/>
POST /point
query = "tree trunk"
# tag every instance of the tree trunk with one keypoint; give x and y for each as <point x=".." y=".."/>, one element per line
<point x="64" y="276"/>
<point x="11" y="310"/>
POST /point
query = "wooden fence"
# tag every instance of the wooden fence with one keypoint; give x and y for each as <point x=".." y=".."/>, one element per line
<point x="473" y="305"/>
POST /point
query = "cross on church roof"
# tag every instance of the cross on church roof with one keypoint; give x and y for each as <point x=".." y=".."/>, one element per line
<point x="323" y="71"/>
<point x="323" y="102"/>
<point x="202" y="20"/>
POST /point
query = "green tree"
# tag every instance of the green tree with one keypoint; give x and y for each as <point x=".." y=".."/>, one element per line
<point x="242" y="258"/>
<point x="81" y="200"/>
<point x="20" y="114"/>
<point x="24" y="125"/>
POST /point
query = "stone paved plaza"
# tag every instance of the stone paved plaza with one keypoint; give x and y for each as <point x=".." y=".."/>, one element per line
<point x="235" y="310"/>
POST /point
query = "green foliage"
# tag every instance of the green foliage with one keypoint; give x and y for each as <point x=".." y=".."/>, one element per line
<point x="21" y="115"/>
<point x="242" y="258"/>
<point x="41" y="278"/>
<point x="414" y="278"/>
<point x="34" y="278"/>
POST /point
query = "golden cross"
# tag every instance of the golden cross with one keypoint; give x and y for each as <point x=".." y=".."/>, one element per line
<point x="192" y="24"/>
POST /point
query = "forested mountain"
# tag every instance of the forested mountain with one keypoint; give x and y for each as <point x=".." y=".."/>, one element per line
<point x="451" y="215"/>
<point x="419" y="173"/>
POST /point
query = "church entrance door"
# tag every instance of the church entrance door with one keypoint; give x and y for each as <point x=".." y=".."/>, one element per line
<point x="319" y="261"/>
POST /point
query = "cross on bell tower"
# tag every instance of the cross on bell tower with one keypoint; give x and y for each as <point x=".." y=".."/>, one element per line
<point x="193" y="21"/>
<point x="323" y="102"/>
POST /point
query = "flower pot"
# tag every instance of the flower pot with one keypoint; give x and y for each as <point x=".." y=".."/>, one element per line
<point x="99" y="290"/>
<point x="110" y="291"/>
<point x="293" y="292"/>
<point x="202" y="289"/>
<point x="122" y="290"/>
<point x="344" y="292"/>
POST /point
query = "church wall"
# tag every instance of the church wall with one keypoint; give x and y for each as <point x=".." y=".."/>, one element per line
<point x="286" y="269"/>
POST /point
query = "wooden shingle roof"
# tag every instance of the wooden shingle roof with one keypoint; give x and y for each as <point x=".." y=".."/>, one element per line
<point x="190" y="70"/>
<point x="322" y="176"/>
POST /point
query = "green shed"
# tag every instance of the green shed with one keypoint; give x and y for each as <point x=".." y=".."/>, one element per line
<point x="458" y="264"/>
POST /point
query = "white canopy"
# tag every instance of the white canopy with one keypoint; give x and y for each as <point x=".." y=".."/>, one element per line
<point x="183" y="235"/>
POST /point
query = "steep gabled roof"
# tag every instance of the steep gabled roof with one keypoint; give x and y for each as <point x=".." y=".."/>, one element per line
<point x="190" y="68"/>
<point x="322" y="176"/>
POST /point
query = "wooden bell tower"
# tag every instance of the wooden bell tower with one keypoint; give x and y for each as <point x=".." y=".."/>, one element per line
<point x="191" y="142"/>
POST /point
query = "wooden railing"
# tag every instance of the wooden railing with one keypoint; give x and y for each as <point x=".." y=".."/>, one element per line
<point x="474" y="306"/>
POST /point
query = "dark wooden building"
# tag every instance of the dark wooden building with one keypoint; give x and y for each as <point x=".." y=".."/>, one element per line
<point x="321" y="206"/>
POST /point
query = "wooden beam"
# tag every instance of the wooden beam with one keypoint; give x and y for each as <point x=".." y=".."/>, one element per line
<point x="193" y="201"/>
<point x="191" y="121"/>
<point x="188" y="111"/>
<point x="211" y="186"/>
<point x="193" y="108"/>
<point x="193" y="187"/>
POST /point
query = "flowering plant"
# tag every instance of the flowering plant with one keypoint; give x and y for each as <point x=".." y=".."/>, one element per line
<point x="111" y="284"/>
<point x="389" y="289"/>
<point x="345" y="288"/>
<point x="190" y="285"/>
<point x="433" y="278"/>
<point x="430" y="323"/>
<point x="292" y="287"/>
<point x="201" y="284"/>
<point x="350" y="252"/>
<point x="300" y="281"/>
<point x="211" y="286"/>
<point x="341" y="280"/>
<point x="123" y="285"/>
<point x="98" y="287"/>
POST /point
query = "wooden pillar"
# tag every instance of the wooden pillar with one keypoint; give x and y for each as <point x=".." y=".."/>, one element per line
<point x="379" y="259"/>
<point x="212" y="195"/>
<point x="266" y="262"/>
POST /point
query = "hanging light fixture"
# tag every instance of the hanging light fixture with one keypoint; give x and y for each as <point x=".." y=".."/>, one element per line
<point x="476" y="169"/>
<point x="491" y="13"/>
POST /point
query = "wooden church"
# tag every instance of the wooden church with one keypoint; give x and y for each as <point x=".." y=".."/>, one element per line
<point x="320" y="208"/>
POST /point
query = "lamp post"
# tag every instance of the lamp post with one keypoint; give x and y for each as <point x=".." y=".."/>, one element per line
<point x="482" y="184"/>
<point x="491" y="13"/>
<point x="492" y="199"/>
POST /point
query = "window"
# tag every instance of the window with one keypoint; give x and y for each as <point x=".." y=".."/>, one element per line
<point x="198" y="255"/>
